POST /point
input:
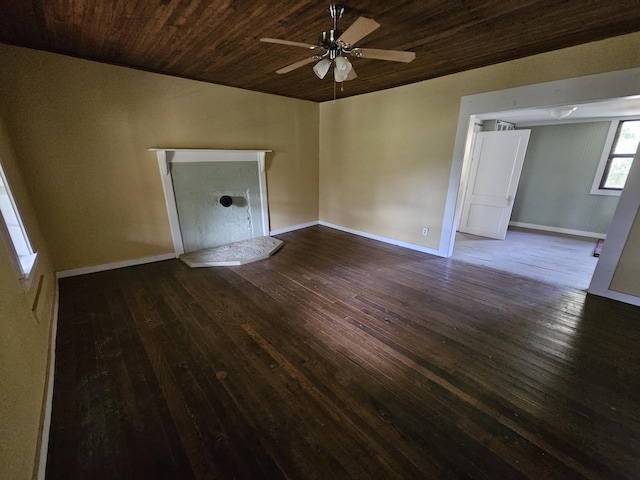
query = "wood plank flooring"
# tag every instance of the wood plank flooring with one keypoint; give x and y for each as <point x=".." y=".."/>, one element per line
<point x="341" y="357"/>
<point x="565" y="260"/>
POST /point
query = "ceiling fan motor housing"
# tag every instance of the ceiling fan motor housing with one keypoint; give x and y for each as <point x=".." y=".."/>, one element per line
<point x="329" y="40"/>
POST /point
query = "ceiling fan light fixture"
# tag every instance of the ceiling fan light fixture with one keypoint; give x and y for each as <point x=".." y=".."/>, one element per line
<point x="322" y="67"/>
<point x="341" y="68"/>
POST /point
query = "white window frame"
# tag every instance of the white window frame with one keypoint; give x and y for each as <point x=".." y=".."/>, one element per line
<point x="16" y="239"/>
<point x="604" y="159"/>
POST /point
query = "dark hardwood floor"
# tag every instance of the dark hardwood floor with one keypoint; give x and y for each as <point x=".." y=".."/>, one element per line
<point x="341" y="357"/>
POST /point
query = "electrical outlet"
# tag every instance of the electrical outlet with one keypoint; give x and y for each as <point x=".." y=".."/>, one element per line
<point x="425" y="231"/>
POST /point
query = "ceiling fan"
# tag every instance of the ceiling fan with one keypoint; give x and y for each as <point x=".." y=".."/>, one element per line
<point x="335" y="45"/>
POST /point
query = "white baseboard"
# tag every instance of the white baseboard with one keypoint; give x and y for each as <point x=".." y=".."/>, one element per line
<point x="48" y="405"/>
<point x="112" y="266"/>
<point x="613" y="295"/>
<point x="391" y="241"/>
<point x="293" y="227"/>
<point x="567" y="231"/>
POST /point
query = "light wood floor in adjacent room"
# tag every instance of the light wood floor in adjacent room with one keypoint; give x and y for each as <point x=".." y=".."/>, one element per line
<point x="556" y="258"/>
<point x="341" y="358"/>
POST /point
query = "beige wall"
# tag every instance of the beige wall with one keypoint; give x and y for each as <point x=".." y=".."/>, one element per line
<point x="77" y="133"/>
<point x="81" y="130"/>
<point x="385" y="157"/>
<point x="24" y="338"/>
<point x="627" y="276"/>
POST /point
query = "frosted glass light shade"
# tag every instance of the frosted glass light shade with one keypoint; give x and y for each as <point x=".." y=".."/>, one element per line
<point x="341" y="69"/>
<point x="563" y="112"/>
<point x="322" y="67"/>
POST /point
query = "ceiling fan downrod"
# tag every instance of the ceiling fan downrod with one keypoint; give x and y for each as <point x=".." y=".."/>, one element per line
<point x="329" y="40"/>
<point x="336" y="12"/>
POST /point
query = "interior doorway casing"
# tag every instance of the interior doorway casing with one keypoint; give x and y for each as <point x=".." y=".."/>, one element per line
<point x="167" y="156"/>
<point x="592" y="88"/>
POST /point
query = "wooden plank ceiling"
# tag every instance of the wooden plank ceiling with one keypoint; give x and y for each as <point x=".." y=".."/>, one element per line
<point x="217" y="41"/>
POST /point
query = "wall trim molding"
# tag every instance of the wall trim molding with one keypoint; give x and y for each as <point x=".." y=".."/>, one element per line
<point x="391" y="241"/>
<point x="566" y="231"/>
<point x="292" y="228"/>
<point x="41" y="463"/>
<point x="112" y="266"/>
<point x="613" y="295"/>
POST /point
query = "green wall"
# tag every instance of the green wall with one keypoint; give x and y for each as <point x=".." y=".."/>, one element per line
<point x="204" y="222"/>
<point x="557" y="175"/>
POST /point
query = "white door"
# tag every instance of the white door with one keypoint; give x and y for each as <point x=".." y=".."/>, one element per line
<point x="495" y="170"/>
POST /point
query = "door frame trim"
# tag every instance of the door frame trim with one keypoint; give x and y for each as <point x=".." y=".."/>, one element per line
<point x="167" y="156"/>
<point x="623" y="219"/>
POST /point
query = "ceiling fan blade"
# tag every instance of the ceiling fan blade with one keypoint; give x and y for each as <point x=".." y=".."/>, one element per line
<point x="359" y="29"/>
<point x="352" y="75"/>
<point x="392" y="55"/>
<point x="288" y="42"/>
<point x="297" y="64"/>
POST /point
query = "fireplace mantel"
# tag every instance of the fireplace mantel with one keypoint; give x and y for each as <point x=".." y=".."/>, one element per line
<point x="189" y="155"/>
<point x="167" y="156"/>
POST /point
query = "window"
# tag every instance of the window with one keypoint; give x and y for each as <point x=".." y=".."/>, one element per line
<point x="620" y="148"/>
<point x="13" y="230"/>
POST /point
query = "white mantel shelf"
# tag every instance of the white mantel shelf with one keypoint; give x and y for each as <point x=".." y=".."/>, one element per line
<point x="190" y="155"/>
<point x="203" y="150"/>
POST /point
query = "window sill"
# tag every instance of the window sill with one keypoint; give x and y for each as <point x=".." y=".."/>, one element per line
<point x="27" y="267"/>
<point x="610" y="193"/>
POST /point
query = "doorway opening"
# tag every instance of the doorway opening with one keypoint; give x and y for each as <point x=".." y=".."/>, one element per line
<point x="549" y="194"/>
<point x="542" y="97"/>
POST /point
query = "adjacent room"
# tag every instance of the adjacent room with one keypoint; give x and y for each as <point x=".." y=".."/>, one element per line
<point x="361" y="343"/>
<point x="575" y="164"/>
